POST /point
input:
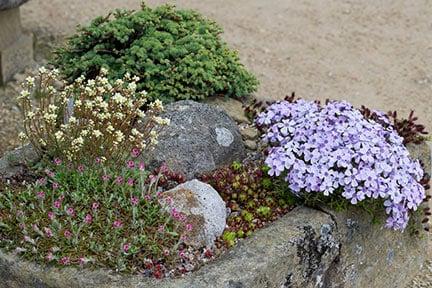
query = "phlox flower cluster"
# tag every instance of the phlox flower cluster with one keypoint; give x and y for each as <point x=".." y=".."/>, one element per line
<point x="334" y="149"/>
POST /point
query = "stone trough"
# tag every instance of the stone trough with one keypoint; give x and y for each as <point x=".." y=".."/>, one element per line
<point x="305" y="248"/>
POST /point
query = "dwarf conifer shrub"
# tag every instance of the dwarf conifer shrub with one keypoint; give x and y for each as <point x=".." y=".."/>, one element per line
<point x="178" y="54"/>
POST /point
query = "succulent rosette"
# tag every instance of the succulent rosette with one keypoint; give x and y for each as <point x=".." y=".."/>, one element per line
<point x="333" y="148"/>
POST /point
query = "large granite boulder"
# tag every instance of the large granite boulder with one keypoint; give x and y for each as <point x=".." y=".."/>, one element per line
<point x="199" y="138"/>
<point x="204" y="209"/>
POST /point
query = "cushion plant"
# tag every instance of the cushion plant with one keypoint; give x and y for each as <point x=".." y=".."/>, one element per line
<point x="178" y="54"/>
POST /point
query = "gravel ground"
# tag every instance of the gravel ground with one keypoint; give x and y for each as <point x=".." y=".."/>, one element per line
<point x="376" y="53"/>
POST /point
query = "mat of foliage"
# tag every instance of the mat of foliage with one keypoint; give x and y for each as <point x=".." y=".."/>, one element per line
<point x="178" y="54"/>
<point x="119" y="225"/>
<point x="252" y="197"/>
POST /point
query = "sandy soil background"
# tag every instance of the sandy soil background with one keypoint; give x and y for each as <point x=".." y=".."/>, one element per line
<point x="377" y="53"/>
<point x="373" y="52"/>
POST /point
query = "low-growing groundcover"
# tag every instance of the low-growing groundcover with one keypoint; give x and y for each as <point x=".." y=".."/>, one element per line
<point x="252" y="197"/>
<point x="334" y="150"/>
<point x="94" y="203"/>
<point x="178" y="54"/>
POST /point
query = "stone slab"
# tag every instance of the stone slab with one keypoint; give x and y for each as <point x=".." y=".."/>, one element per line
<point x="10" y="27"/>
<point x="16" y="57"/>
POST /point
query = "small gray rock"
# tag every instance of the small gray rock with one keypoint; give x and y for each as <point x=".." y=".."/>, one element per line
<point x="204" y="209"/>
<point x="232" y="107"/>
<point x="249" y="133"/>
<point x="13" y="162"/>
<point x="199" y="139"/>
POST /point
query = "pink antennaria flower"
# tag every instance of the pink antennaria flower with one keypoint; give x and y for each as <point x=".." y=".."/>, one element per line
<point x="70" y="211"/>
<point x="169" y="200"/>
<point x="41" y="181"/>
<point x="164" y="168"/>
<point x="166" y="252"/>
<point x="35" y="228"/>
<point x="152" y="178"/>
<point x="134" y="200"/>
<point x="174" y="213"/>
<point x="67" y="234"/>
<point x="57" y="161"/>
<point x="49" y="257"/>
<point x="130" y="164"/>
<point x="48" y="232"/>
<point x="57" y="204"/>
<point x="55" y="186"/>
<point x="81" y="168"/>
<point x="98" y="160"/>
<point x="147" y="197"/>
<point x="141" y="166"/>
<point x="117" y="224"/>
<point x="106" y="178"/>
<point x="130" y="182"/>
<point x="64" y="261"/>
<point x="95" y="206"/>
<point x="183" y="238"/>
<point x="49" y="173"/>
<point x="88" y="219"/>
<point x="182" y="254"/>
<point x="159" y="194"/>
<point x="135" y="152"/>
<point x="41" y="195"/>
<point x="189" y="227"/>
<point x="161" y="228"/>
<point x="83" y="261"/>
<point x="51" y="215"/>
<point x="29" y="240"/>
<point x="119" y="180"/>
<point x="126" y="247"/>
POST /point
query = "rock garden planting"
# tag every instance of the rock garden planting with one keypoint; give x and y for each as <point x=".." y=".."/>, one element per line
<point x="145" y="157"/>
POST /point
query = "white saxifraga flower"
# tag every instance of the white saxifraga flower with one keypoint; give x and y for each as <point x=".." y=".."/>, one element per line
<point x="134" y="131"/>
<point x="156" y="105"/>
<point x="78" y="142"/>
<point x="59" y="135"/>
<point x="161" y="121"/>
<point x="30" y="81"/>
<point x="110" y="128"/>
<point x="118" y="98"/>
<point x="104" y="71"/>
<point x="22" y="136"/>
<point x="52" y="108"/>
<point x="73" y="120"/>
<point x="25" y="94"/>
<point x="97" y="133"/>
<point x="132" y="86"/>
<point x="50" y="117"/>
<point x="30" y="115"/>
<point x="119" y="136"/>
